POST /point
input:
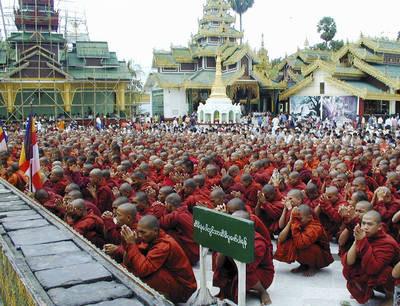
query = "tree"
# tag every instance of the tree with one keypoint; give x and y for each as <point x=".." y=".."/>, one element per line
<point x="327" y="26"/>
<point x="241" y="7"/>
<point x="398" y="35"/>
<point x="136" y="72"/>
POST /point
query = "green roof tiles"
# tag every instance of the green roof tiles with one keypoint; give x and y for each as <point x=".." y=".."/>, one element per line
<point x="365" y="85"/>
<point x="92" y="49"/>
<point x="30" y="36"/>
<point x="392" y="71"/>
<point x="120" y="73"/>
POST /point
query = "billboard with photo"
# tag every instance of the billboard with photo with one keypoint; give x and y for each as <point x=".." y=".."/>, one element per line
<point x="341" y="109"/>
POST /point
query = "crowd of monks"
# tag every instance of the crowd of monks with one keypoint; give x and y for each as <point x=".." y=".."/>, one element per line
<point x="132" y="193"/>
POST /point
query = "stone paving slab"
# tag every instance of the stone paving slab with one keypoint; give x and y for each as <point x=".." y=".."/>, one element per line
<point x="4" y="207"/>
<point x="38" y="236"/>
<point x="71" y="275"/>
<point x="49" y="248"/>
<point x="10" y="197"/>
<point x="19" y="213"/>
<point x="23" y="224"/>
<point x="89" y="293"/>
<point x="32" y="216"/>
<point x="119" y="302"/>
<point x="38" y="263"/>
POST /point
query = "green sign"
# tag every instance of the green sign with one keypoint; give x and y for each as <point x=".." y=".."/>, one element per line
<point x="231" y="236"/>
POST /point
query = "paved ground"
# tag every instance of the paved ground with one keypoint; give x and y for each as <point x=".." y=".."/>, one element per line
<point x="326" y="288"/>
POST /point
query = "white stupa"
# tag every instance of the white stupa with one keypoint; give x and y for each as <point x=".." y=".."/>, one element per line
<point x="218" y="107"/>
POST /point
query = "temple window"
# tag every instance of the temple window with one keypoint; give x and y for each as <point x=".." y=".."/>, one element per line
<point x="322" y="88"/>
<point x="188" y="67"/>
<point x="210" y="62"/>
<point x="169" y="69"/>
<point x="231" y="67"/>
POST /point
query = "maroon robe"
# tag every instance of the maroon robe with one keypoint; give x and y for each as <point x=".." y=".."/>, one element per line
<point x="91" y="227"/>
<point x="260" y="270"/>
<point x="376" y="257"/>
<point x="179" y="225"/>
<point x="308" y="244"/>
<point x="162" y="265"/>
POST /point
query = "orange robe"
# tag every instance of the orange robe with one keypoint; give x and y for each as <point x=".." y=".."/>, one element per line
<point x="162" y="265"/>
<point x="376" y="257"/>
<point x="308" y="244"/>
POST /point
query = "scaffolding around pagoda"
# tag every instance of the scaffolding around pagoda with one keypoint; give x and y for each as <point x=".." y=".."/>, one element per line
<point x="48" y="61"/>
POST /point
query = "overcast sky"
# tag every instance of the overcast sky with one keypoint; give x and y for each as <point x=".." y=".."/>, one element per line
<point x="134" y="27"/>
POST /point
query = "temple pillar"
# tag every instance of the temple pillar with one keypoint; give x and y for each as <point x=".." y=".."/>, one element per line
<point x="9" y="93"/>
<point x="120" y="96"/>
<point x="190" y="101"/>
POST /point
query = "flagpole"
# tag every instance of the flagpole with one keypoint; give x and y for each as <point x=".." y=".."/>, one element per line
<point x="30" y="162"/>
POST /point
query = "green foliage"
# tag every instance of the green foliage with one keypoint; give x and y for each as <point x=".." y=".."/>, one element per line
<point x="327" y="26"/>
<point x="241" y="7"/>
<point x="135" y="71"/>
<point x="335" y="45"/>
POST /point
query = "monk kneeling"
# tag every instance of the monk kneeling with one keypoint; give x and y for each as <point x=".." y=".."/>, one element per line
<point x="259" y="274"/>
<point x="159" y="261"/>
<point x="369" y="262"/>
<point x="304" y="240"/>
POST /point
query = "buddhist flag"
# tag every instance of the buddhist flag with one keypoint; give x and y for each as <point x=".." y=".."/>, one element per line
<point x="29" y="160"/>
<point x="3" y="138"/>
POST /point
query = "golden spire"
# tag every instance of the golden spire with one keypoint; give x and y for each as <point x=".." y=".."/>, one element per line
<point x="218" y="89"/>
<point x="306" y="43"/>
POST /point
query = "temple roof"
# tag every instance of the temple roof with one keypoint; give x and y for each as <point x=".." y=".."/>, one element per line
<point x="121" y="73"/>
<point x="36" y="36"/>
<point x="92" y="49"/>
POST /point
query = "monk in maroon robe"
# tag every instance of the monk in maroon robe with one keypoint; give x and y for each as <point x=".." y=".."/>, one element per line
<point x="101" y="193"/>
<point x="304" y="240"/>
<point x="369" y="262"/>
<point x="57" y="181"/>
<point x="269" y="207"/>
<point x="178" y="223"/>
<point x="125" y="215"/>
<point x="327" y="211"/>
<point x="251" y="188"/>
<point x="85" y="223"/>
<point x="159" y="261"/>
<point x="259" y="273"/>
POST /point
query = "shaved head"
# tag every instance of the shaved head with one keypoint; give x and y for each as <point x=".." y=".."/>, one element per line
<point x="79" y="204"/>
<point x="305" y="210"/>
<point x="149" y="222"/>
<point x="373" y="214"/>
<point x="241" y="214"/>
<point x="128" y="209"/>
<point x="236" y="204"/>
<point x="174" y="199"/>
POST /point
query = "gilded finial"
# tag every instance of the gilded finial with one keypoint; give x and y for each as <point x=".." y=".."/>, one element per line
<point x="306" y="43"/>
<point x="262" y="40"/>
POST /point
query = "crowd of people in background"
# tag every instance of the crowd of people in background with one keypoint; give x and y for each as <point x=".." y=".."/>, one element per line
<point x="130" y="188"/>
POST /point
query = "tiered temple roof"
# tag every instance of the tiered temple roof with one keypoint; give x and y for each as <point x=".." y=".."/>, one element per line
<point x="369" y="69"/>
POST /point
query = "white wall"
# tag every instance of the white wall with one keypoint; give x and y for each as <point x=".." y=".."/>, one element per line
<point x="313" y="88"/>
<point x="175" y="103"/>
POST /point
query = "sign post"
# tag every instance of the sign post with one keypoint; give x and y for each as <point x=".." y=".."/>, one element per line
<point x="231" y="236"/>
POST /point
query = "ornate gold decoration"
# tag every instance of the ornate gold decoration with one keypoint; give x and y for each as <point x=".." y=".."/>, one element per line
<point x="330" y="67"/>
